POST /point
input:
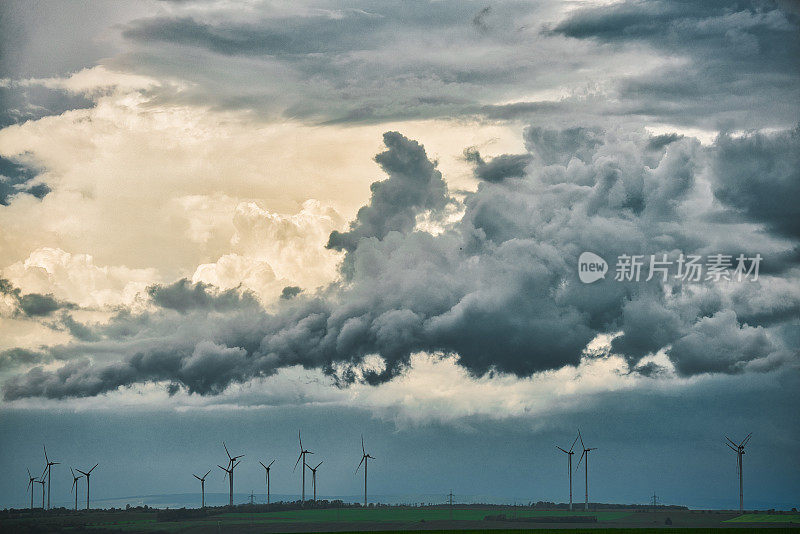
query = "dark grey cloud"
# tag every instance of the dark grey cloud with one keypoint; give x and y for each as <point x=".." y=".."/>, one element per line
<point x="184" y="296"/>
<point x="720" y="344"/>
<point x="735" y="50"/>
<point x="13" y="358"/>
<point x="17" y="178"/>
<point x="290" y="292"/>
<point x="414" y="185"/>
<point x="499" y="288"/>
<point x="33" y="304"/>
<point x="498" y="168"/>
<point x="759" y="176"/>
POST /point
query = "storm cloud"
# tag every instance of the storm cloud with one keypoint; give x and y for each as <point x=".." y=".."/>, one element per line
<point x="498" y="287"/>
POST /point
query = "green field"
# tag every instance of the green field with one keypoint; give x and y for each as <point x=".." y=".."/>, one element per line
<point x="412" y="514"/>
<point x="766" y="518"/>
<point x="393" y="520"/>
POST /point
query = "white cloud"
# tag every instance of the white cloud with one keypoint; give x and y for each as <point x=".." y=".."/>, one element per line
<point x="76" y="278"/>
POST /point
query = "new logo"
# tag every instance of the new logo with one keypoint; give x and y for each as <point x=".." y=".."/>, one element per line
<point x="591" y="267"/>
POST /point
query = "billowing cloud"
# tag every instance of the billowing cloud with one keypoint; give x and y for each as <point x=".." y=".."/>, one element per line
<point x="30" y="304"/>
<point x="414" y="186"/>
<point x="498" y="287"/>
<point x="759" y="176"/>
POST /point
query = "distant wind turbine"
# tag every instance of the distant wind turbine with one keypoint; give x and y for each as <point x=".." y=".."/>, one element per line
<point x="739" y="450"/>
<point x="586" y="467"/>
<point x="365" y="458"/>
<point x="267" y="467"/>
<point x="74" y="487"/>
<point x="31" y="481"/>
<point x="48" y="468"/>
<point x="302" y="456"/>
<point x="87" y="474"/>
<point x="569" y="454"/>
<point x="314" y="478"/>
<point x="202" y="488"/>
<point x="232" y="464"/>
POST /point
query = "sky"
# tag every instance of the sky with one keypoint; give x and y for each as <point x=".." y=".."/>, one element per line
<point x="237" y="220"/>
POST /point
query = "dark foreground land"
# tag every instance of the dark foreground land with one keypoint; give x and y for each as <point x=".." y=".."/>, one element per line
<point x="392" y="520"/>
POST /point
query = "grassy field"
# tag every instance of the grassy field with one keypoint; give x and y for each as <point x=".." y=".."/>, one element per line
<point x="391" y="520"/>
<point x="766" y="518"/>
<point x="413" y="514"/>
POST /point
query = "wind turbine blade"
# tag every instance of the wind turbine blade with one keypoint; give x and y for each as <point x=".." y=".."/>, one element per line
<point x="29" y="472"/>
<point x="579" y="461"/>
<point x="204" y="476"/>
<point x="262" y="464"/>
<point x="45" y="454"/>
<point x="297" y="462"/>
<point x="301" y="440"/>
<point x="581" y="438"/>
<point x="731" y="441"/>
<point x="746" y="439"/>
<point x="361" y="462"/>
<point x="79" y="471"/>
<point x="362" y="444"/>
<point x="70" y="470"/>
<point x="226" y="450"/>
<point x="731" y="447"/>
<point x="319" y="464"/>
<point x="573" y="443"/>
<point x="562" y="450"/>
<point x="270" y="464"/>
<point x="197" y="477"/>
<point x="92" y="469"/>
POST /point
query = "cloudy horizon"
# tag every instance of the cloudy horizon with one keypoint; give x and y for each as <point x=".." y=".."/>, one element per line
<point x="367" y="217"/>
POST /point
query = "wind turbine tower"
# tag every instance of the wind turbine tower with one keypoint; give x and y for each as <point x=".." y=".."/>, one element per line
<point x="365" y="458"/>
<point x="586" y="452"/>
<point x="232" y="464"/>
<point x="87" y="474"/>
<point x="739" y="450"/>
<point x="74" y="487"/>
<point x="202" y="488"/>
<point x="314" y="478"/>
<point x="569" y="454"/>
<point x="48" y="468"/>
<point x="31" y="480"/>
<point x="302" y="456"/>
<point x="267" y="467"/>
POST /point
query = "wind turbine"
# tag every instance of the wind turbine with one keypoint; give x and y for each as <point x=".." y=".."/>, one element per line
<point x="74" y="487"/>
<point x="586" y="467"/>
<point x="31" y="480"/>
<point x="569" y="454"/>
<point x="267" y="468"/>
<point x="202" y="488"/>
<point x="314" y="478"/>
<point x="42" y="482"/>
<point x="739" y="450"/>
<point x="232" y="463"/>
<point x="48" y="468"/>
<point x="87" y="474"/>
<point x="365" y="458"/>
<point x="302" y="456"/>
